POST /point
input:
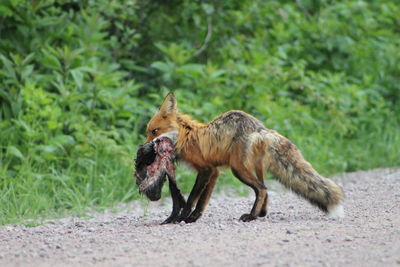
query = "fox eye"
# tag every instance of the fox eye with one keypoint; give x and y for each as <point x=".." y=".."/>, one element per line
<point x="154" y="131"/>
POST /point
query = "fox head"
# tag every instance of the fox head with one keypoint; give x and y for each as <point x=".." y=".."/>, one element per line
<point x="164" y="122"/>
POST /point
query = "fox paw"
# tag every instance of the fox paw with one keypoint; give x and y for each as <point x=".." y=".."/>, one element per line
<point x="171" y="219"/>
<point x="193" y="217"/>
<point x="263" y="213"/>
<point x="247" y="217"/>
<point x="184" y="215"/>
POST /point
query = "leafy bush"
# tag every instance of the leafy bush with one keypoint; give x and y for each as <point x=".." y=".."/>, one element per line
<point x="80" y="79"/>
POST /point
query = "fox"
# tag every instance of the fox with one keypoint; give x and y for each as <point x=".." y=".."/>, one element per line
<point x="239" y="141"/>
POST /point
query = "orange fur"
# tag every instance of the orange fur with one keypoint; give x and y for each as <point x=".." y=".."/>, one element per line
<point x="239" y="141"/>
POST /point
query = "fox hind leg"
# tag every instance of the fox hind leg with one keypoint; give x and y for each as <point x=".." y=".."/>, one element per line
<point x="260" y="177"/>
<point x="264" y="208"/>
<point x="259" y="188"/>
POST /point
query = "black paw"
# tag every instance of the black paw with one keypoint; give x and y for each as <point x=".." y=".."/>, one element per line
<point x="263" y="213"/>
<point x="193" y="217"/>
<point x="184" y="214"/>
<point x="171" y="219"/>
<point x="247" y="217"/>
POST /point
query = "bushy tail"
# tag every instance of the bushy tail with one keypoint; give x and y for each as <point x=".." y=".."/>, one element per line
<point x="291" y="169"/>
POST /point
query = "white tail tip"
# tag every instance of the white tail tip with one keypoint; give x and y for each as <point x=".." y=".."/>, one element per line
<point x="336" y="211"/>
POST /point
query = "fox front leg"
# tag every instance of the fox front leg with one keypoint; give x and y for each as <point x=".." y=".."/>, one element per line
<point x="204" y="198"/>
<point x="178" y="201"/>
<point x="203" y="178"/>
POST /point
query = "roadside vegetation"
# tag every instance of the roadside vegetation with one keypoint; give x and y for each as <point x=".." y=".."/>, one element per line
<point x="80" y="79"/>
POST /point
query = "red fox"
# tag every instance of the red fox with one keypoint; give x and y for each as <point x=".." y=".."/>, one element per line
<point x="237" y="140"/>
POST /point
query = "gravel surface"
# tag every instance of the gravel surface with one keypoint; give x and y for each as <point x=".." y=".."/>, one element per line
<point x="293" y="234"/>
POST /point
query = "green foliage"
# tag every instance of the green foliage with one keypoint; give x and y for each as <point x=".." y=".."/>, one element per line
<point x="80" y="79"/>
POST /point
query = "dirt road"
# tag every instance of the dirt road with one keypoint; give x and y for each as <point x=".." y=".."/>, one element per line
<point x="293" y="234"/>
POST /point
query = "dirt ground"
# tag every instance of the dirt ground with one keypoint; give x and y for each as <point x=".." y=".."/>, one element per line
<point x="293" y="234"/>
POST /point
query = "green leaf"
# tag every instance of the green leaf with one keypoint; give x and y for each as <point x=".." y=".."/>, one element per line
<point x="193" y="69"/>
<point x="63" y="140"/>
<point x="9" y="67"/>
<point x="162" y="66"/>
<point x="14" y="151"/>
<point x="29" y="58"/>
<point x="77" y="76"/>
<point x="5" y="96"/>
<point x="5" y="11"/>
<point x="51" y="61"/>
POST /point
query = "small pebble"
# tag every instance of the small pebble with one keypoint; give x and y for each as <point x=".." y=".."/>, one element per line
<point x="263" y="255"/>
<point x="79" y="224"/>
<point x="348" y="238"/>
<point x="88" y="251"/>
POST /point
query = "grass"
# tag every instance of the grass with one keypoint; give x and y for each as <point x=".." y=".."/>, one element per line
<point x="73" y="105"/>
<point x="45" y="191"/>
<point x="32" y="191"/>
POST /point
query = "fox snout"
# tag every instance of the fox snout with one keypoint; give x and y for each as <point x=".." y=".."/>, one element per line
<point x="173" y="135"/>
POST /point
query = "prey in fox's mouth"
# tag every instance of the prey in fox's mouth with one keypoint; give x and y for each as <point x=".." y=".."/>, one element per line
<point x="154" y="163"/>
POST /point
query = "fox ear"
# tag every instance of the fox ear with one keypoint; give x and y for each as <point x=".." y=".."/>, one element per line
<point x="169" y="105"/>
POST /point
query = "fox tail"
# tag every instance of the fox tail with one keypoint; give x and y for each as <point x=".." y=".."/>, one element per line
<point x="287" y="163"/>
